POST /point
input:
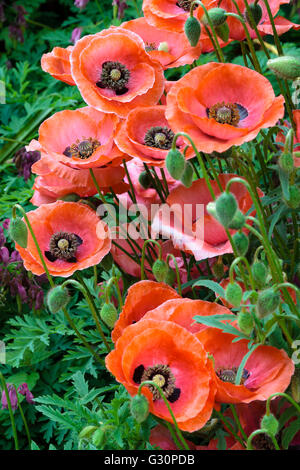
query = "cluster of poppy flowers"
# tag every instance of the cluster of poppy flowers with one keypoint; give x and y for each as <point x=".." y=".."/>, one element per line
<point x="131" y="116"/>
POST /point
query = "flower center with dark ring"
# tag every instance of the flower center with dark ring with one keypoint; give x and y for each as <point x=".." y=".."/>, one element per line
<point x="185" y="4"/>
<point x="225" y="113"/>
<point x="114" y="76"/>
<point x="159" y="137"/>
<point x="229" y="375"/>
<point x="63" y="245"/>
<point x="162" y="376"/>
<point x="82" y="149"/>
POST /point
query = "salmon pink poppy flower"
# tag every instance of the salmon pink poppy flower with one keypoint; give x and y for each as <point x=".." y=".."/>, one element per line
<point x="192" y="229"/>
<point x="81" y="139"/>
<point x="147" y="135"/>
<point x="114" y="73"/>
<point x="57" y="63"/>
<point x="141" y="297"/>
<point x="70" y="235"/>
<point x="168" y="48"/>
<point x="175" y="359"/>
<point x="268" y="370"/>
<point x="221" y="105"/>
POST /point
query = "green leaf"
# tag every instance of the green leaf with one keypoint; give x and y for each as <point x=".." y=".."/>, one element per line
<point x="214" y="286"/>
<point x="80" y="384"/>
<point x="289" y="433"/>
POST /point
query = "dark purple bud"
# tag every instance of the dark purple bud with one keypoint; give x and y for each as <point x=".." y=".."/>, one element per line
<point x="5" y="224"/>
<point x="39" y="300"/>
<point x="24" y="161"/>
<point x="76" y="33"/>
<point x="81" y="3"/>
<point x="4" y="255"/>
<point x="12" y="397"/>
<point x="15" y="256"/>
<point x="24" y="390"/>
<point x="2" y="237"/>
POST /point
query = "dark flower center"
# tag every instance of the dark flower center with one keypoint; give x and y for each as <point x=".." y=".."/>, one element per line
<point x="63" y="245"/>
<point x="185" y="4"/>
<point x="159" y="137"/>
<point x="150" y="46"/>
<point x="162" y="375"/>
<point x="227" y="113"/>
<point x="82" y="149"/>
<point x="114" y="76"/>
<point x="229" y="375"/>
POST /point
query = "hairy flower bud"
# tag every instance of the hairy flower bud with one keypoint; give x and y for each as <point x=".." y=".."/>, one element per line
<point x="245" y="322"/>
<point x="238" y="221"/>
<point x="267" y="302"/>
<point x="170" y="277"/>
<point x="234" y="294"/>
<point x="294" y="197"/>
<point x="259" y="273"/>
<point x="192" y="29"/>
<point x="57" y="298"/>
<point x="226" y="207"/>
<point x="256" y="12"/>
<point x="139" y="407"/>
<point x="109" y="314"/>
<point x="160" y="269"/>
<point x="286" y="162"/>
<point x="270" y="424"/>
<point x="18" y="231"/>
<point x="175" y="164"/>
<point x="145" y="180"/>
<point x="241" y="243"/>
<point x="87" y="432"/>
<point x="98" y="437"/>
<point x="286" y="67"/>
<point x="223" y="31"/>
<point x="187" y="177"/>
<point x="217" y="16"/>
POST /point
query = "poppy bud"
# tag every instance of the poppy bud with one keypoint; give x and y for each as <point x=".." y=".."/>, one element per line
<point x="98" y="437"/>
<point x="270" y="424"/>
<point x="241" y="243"/>
<point x="175" y="164"/>
<point x="295" y="386"/>
<point x="226" y="207"/>
<point x="57" y="298"/>
<point x="256" y="11"/>
<point x="245" y="322"/>
<point x="286" y="67"/>
<point x="216" y="15"/>
<point x="18" y="231"/>
<point x="187" y="177"/>
<point x="170" y="277"/>
<point x="267" y="302"/>
<point x="218" y="269"/>
<point x="163" y="46"/>
<point x="87" y="432"/>
<point x="259" y="273"/>
<point x="238" y="221"/>
<point x="192" y="29"/>
<point x="159" y="270"/>
<point x="211" y="209"/>
<point x="109" y="314"/>
<point x="286" y="162"/>
<point x="294" y="197"/>
<point x="234" y="294"/>
<point x="139" y="407"/>
<point x="223" y="31"/>
<point x="145" y="180"/>
<point x="72" y="197"/>
<point x="289" y="141"/>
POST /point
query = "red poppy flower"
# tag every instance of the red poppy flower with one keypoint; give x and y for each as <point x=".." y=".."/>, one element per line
<point x="57" y="63"/>
<point x="221" y="105"/>
<point x="169" y="48"/>
<point x="185" y="229"/>
<point x="268" y="370"/>
<point x="70" y="235"/>
<point x="81" y="139"/>
<point x="114" y="73"/>
<point x="264" y="26"/>
<point x="141" y="297"/>
<point x="146" y="134"/>
<point x="172" y="357"/>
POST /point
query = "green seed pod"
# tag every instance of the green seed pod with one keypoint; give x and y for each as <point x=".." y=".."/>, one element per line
<point x="170" y="277"/>
<point x="160" y="269"/>
<point x="295" y="386"/>
<point x="259" y="273"/>
<point x="267" y="302"/>
<point x="107" y="262"/>
<point x="245" y="322"/>
<point x="294" y="200"/>
<point x="109" y="314"/>
<point x="223" y="31"/>
<point x="72" y="197"/>
<point x="98" y="437"/>
<point x="216" y="15"/>
<point x="145" y="180"/>
<point x="234" y="294"/>
<point x="139" y="408"/>
<point x="226" y="207"/>
<point x="175" y="164"/>
<point x="256" y="11"/>
<point x="286" y="67"/>
<point x="286" y="162"/>
<point x="57" y="298"/>
<point x="18" y="231"/>
<point x="192" y="29"/>
<point x="87" y="432"/>
<point x="270" y="424"/>
<point x="241" y="243"/>
<point x="238" y="221"/>
<point x="187" y="177"/>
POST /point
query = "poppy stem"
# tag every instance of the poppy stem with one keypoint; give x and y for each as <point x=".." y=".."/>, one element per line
<point x="284" y="395"/>
<point x="177" y="272"/>
<point x="179" y="433"/>
<point x="228" y="427"/>
<point x="11" y="415"/>
<point x="245" y="261"/>
<point x="155" y="242"/>
<point x="236" y="418"/>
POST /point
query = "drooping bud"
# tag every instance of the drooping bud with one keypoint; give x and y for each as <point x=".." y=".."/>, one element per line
<point x="245" y="322"/>
<point x="256" y="12"/>
<point x="139" y="408"/>
<point x="160" y="269"/>
<point x="238" y="221"/>
<point x="259" y="273"/>
<point x="98" y="437"/>
<point x="286" y="162"/>
<point x="175" y="164"/>
<point x="286" y="67"/>
<point x="226" y="207"/>
<point x="223" y="31"/>
<point x="267" y="302"/>
<point x="270" y="424"/>
<point x="294" y="197"/>
<point x="234" y="294"/>
<point x="170" y="277"/>
<point x="87" y="432"/>
<point x="57" y="298"/>
<point x="187" y="177"/>
<point x="192" y="29"/>
<point x="145" y="180"/>
<point x="109" y="314"/>
<point x="217" y="16"/>
<point x="241" y="243"/>
<point x="18" y="231"/>
<point x="295" y="386"/>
